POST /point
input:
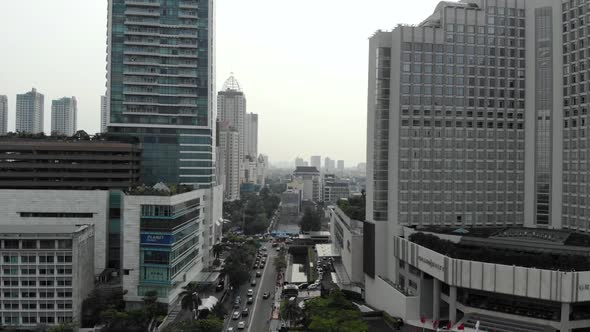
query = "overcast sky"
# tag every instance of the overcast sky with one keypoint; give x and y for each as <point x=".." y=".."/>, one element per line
<point x="302" y="64"/>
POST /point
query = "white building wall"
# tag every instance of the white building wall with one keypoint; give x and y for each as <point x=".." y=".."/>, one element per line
<point x="29" y="112"/>
<point x="64" y="114"/>
<point x="104" y="114"/>
<point x="61" y="201"/>
<point x="3" y="115"/>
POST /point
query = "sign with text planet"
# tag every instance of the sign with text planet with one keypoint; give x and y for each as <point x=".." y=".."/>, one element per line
<point x="156" y="239"/>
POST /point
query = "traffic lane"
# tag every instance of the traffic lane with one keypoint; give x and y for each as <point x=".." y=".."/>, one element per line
<point x="244" y="295"/>
<point x="263" y="310"/>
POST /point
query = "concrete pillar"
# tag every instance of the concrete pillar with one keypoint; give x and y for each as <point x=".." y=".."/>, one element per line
<point x="453" y="304"/>
<point x="565" y="317"/>
<point x="435" y="299"/>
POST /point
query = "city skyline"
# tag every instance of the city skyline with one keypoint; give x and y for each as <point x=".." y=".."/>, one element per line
<point x="78" y="66"/>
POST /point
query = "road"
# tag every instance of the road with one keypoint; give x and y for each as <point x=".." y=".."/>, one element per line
<point x="260" y="310"/>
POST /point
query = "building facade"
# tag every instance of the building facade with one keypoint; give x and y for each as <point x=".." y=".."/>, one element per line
<point x="251" y="134"/>
<point x="47" y="272"/>
<point x="167" y="241"/>
<point x="104" y="114"/>
<point x="347" y="243"/>
<point x="476" y="117"/>
<point x="3" y="115"/>
<point x="310" y="178"/>
<point x="329" y="165"/>
<point x="231" y="110"/>
<point x="64" y="113"/>
<point x="68" y="164"/>
<point x="229" y="162"/>
<point x="30" y="108"/>
<point x="334" y="189"/>
<point x="160" y="85"/>
<point x="316" y="161"/>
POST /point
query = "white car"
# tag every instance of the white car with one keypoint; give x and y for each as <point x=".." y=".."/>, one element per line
<point x="230" y="329"/>
<point x="241" y="325"/>
<point x="250" y="292"/>
<point x="236" y="315"/>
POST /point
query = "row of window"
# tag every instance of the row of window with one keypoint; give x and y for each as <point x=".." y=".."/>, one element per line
<point x="15" y="320"/>
<point x="35" y="305"/>
<point x="42" y="271"/>
<point x="37" y="244"/>
<point x="33" y="259"/>
<point x="42" y="294"/>
<point x="42" y="283"/>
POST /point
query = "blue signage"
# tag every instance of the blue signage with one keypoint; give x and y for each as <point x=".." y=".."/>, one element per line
<point x="157" y="239"/>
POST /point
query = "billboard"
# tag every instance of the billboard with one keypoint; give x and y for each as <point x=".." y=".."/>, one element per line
<point x="162" y="239"/>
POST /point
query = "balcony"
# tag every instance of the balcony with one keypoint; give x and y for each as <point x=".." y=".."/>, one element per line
<point x="143" y="3"/>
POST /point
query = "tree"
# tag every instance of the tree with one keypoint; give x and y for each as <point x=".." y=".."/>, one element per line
<point x="311" y="220"/>
<point x="63" y="327"/>
<point x="209" y="324"/>
<point x="280" y="262"/>
<point x="217" y="250"/>
<point x="291" y="311"/>
<point x="190" y="296"/>
<point x="238" y="263"/>
<point x="333" y="314"/>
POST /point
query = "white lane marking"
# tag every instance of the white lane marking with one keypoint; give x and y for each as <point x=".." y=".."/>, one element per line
<point x="258" y="292"/>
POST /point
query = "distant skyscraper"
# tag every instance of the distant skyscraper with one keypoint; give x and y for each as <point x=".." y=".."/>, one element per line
<point x="299" y="162"/>
<point x="3" y="115"/>
<point x="340" y="166"/>
<point x="104" y="113"/>
<point x="231" y="110"/>
<point x="316" y="161"/>
<point x="160" y="86"/>
<point x="329" y="165"/>
<point x="64" y="114"/>
<point x="29" y="112"/>
<point x="251" y="134"/>
<point x="229" y="160"/>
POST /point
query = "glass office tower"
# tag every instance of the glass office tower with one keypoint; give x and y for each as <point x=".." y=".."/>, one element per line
<point x="159" y="85"/>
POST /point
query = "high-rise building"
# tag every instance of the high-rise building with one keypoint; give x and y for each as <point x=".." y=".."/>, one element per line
<point x="251" y="134"/>
<point x="64" y="114"/>
<point x="316" y="161"/>
<point x="229" y="161"/>
<point x="340" y="167"/>
<point x="231" y="109"/>
<point x="3" y="115"/>
<point x="104" y="114"/>
<point x="329" y="165"/>
<point x="299" y="162"/>
<point x="310" y="177"/>
<point x="160" y="86"/>
<point x="29" y="112"/>
<point x="477" y="117"/>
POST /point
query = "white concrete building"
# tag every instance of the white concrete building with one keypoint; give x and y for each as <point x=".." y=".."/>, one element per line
<point x="3" y="115"/>
<point x="60" y="207"/>
<point x="316" y="161"/>
<point x="310" y="177"/>
<point x="229" y="162"/>
<point x="231" y="110"/>
<point x="476" y="117"/>
<point x="334" y="189"/>
<point x="347" y="242"/>
<point x="104" y="114"/>
<point x="47" y="272"/>
<point x="167" y="241"/>
<point x="64" y="114"/>
<point x="251" y="134"/>
<point x="30" y="108"/>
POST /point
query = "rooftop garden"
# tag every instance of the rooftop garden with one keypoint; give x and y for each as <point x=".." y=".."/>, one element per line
<point x="80" y="135"/>
<point x="159" y="190"/>
<point x="548" y="261"/>
<point x="483" y="232"/>
<point x="353" y="207"/>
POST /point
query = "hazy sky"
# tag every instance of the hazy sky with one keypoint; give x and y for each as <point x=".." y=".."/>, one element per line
<point x="302" y="64"/>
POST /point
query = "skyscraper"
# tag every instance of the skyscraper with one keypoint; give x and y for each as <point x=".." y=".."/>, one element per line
<point x="3" y="115"/>
<point x="477" y="117"/>
<point x="160" y="83"/>
<point x="340" y="166"/>
<point x="229" y="147"/>
<point x="231" y="110"/>
<point x="316" y="161"/>
<point x="329" y="165"/>
<point x="29" y="112"/>
<point x="64" y="114"/>
<point x="299" y="162"/>
<point x="104" y="113"/>
<point x="251" y="134"/>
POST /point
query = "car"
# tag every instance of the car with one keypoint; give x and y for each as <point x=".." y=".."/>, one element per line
<point x="274" y="244"/>
<point x="266" y="295"/>
<point x="250" y="292"/>
<point x="230" y="329"/>
<point x="219" y="287"/>
<point x="253" y="282"/>
<point x="303" y="286"/>
<point x="255" y="266"/>
<point x="250" y="300"/>
<point x="241" y="325"/>
<point x="236" y="315"/>
<point x="264" y="249"/>
<point x="245" y="312"/>
<point x="265" y="255"/>
<point x="258" y="274"/>
<point x="315" y="285"/>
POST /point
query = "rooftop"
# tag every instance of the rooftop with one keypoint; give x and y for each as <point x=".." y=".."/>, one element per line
<point x="306" y="169"/>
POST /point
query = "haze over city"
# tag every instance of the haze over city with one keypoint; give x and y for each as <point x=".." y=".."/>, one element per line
<point x="302" y="65"/>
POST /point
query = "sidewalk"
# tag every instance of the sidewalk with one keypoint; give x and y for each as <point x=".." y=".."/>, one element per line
<point x="275" y="322"/>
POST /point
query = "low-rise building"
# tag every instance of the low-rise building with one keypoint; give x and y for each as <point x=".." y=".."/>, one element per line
<point x="310" y="177"/>
<point x="347" y="243"/>
<point x="334" y="189"/>
<point x="46" y="273"/>
<point x="533" y="279"/>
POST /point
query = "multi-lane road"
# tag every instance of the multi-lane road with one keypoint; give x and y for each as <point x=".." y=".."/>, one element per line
<point x="259" y="311"/>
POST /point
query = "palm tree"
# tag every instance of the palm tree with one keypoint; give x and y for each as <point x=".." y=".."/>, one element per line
<point x="291" y="311"/>
<point x="190" y="296"/>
